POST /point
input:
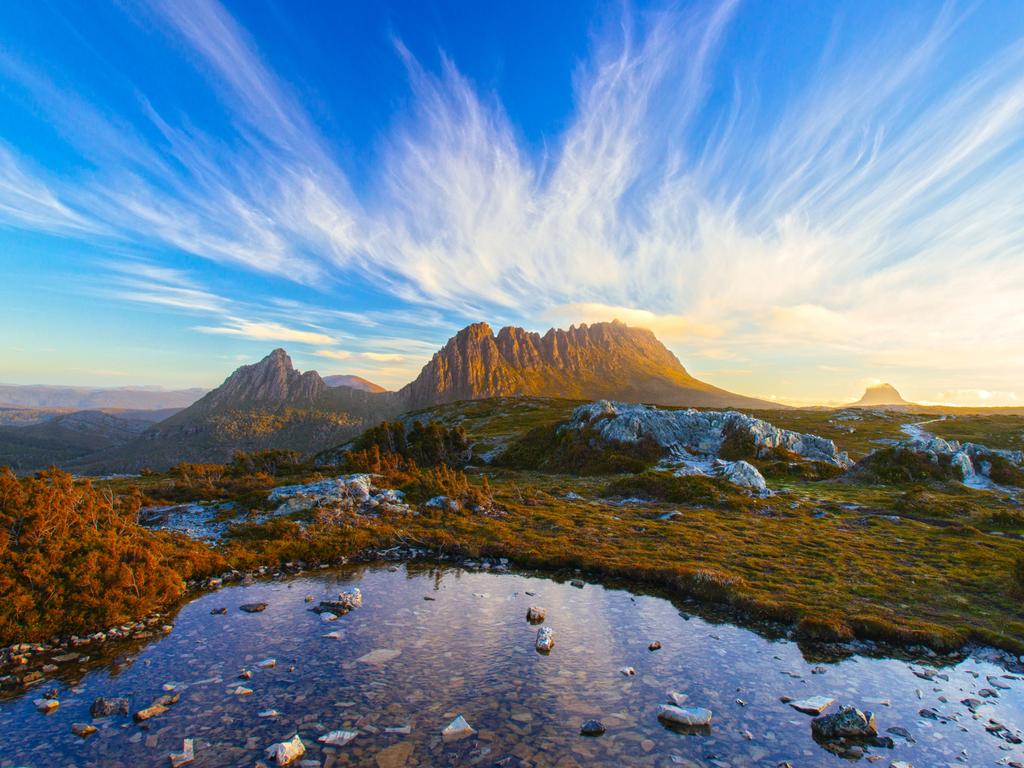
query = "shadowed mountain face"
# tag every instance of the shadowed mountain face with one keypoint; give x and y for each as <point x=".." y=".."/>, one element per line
<point x="603" y="360"/>
<point x="882" y="394"/>
<point x="89" y="398"/>
<point x="268" y="404"/>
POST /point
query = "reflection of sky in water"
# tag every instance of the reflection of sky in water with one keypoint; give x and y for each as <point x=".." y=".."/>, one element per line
<point x="473" y="655"/>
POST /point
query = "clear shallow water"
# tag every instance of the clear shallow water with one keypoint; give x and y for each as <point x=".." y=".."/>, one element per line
<point x="470" y="652"/>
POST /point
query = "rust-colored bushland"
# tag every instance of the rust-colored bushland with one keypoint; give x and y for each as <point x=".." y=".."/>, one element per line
<point x="73" y="558"/>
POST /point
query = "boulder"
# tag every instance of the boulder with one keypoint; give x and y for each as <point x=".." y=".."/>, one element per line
<point x="848" y="722"/>
<point x="535" y="614"/>
<point x="545" y="639"/>
<point x="685" y="716"/>
<point x="286" y="752"/>
<point x="745" y="475"/>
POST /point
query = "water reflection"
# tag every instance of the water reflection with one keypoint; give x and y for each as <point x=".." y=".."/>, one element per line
<point x="405" y="662"/>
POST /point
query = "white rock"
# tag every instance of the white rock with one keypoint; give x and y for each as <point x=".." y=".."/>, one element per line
<point x="267" y="663"/>
<point x="746" y="476"/>
<point x="813" y="705"/>
<point x="457" y="729"/>
<point x="679" y="699"/>
<point x="328" y="616"/>
<point x="688" y="716"/>
<point x="338" y="738"/>
<point x="336" y="635"/>
<point x="286" y="752"/>
<point x="545" y="639"/>
<point x="268" y="713"/>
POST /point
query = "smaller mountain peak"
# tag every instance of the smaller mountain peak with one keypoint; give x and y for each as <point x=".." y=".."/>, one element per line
<point x="881" y="394"/>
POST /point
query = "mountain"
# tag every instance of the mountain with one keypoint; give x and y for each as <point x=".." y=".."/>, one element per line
<point x="599" y="361"/>
<point x="880" y="395"/>
<point x="268" y="404"/>
<point x="90" y="398"/>
<point x="356" y="382"/>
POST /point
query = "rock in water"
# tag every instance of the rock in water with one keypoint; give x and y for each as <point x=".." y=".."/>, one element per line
<point x="338" y="738"/>
<point x="592" y="728"/>
<point x="813" y="705"/>
<point x="102" y="707"/>
<point x="46" y="706"/>
<point x="535" y="614"/>
<point x="457" y="729"/>
<point x="545" y="639"/>
<point x="655" y="646"/>
<point x="847" y="722"/>
<point x="687" y="716"/>
<point x="82" y="729"/>
<point x="149" y="712"/>
<point x="253" y="607"/>
<point x="186" y="756"/>
<point x="286" y="752"/>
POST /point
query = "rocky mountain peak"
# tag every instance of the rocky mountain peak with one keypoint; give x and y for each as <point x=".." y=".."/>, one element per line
<point x="270" y="382"/>
<point x="881" y="394"/>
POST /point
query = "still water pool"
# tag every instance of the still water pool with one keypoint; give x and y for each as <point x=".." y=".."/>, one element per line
<point x="402" y="667"/>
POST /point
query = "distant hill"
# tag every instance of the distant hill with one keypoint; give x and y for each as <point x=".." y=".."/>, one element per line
<point x="268" y="404"/>
<point x="65" y="438"/>
<point x="880" y="395"/>
<point x="599" y="361"/>
<point x="356" y="382"/>
<point x="90" y="398"/>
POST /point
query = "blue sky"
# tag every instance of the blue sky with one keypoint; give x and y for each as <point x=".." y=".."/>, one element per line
<point x="799" y="198"/>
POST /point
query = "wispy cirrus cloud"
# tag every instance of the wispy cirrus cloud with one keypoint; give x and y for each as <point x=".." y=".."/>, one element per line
<point x="869" y="215"/>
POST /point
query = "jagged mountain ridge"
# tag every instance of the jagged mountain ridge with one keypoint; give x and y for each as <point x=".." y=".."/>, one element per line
<point x="269" y="404"/>
<point x="586" y="362"/>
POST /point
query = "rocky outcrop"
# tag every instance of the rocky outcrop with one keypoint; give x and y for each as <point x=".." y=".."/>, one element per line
<point x="586" y="362"/>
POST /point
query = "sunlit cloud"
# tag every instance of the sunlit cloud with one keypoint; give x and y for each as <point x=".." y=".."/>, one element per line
<point x="266" y="331"/>
<point x="333" y="354"/>
<point x="864" y="218"/>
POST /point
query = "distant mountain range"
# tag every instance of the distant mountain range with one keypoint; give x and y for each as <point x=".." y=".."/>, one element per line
<point x="90" y="398"/>
<point x="270" y="404"/>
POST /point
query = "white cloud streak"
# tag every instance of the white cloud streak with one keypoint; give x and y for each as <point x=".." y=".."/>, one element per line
<point x="872" y="219"/>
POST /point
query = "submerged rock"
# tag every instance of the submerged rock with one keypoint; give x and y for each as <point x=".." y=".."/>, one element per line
<point x="82" y="729"/>
<point x="46" y="706"/>
<point x="592" y="728"/>
<point x="102" y="707"/>
<point x="685" y="716"/>
<point x="847" y="722"/>
<point x="186" y="756"/>
<point x="338" y="738"/>
<point x="286" y="752"/>
<point x="253" y="607"/>
<point x="457" y="729"/>
<point x="545" y="639"/>
<point x="149" y="712"/>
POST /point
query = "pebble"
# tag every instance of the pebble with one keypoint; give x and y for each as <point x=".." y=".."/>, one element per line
<point x="654" y="646"/>
<point x="457" y="729"/>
